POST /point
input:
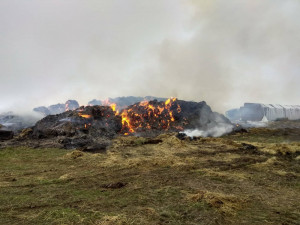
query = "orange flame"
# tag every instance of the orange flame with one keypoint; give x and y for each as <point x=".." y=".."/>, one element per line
<point x="167" y="102"/>
<point x="84" y="115"/>
<point x="159" y="114"/>
<point x="144" y="103"/>
<point x="126" y="121"/>
<point x="113" y="106"/>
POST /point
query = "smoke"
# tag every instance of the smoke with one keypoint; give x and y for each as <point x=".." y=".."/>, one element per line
<point x="17" y="121"/>
<point x="249" y="124"/>
<point x="239" y="51"/>
<point x="215" y="131"/>
<point x="223" y="52"/>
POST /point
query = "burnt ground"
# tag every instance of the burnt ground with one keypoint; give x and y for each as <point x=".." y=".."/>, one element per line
<point x="245" y="178"/>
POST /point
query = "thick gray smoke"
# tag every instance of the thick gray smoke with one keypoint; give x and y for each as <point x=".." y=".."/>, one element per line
<point x="239" y="51"/>
<point x="223" y="52"/>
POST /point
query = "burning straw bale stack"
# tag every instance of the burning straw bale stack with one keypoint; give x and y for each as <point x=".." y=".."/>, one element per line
<point x="172" y="115"/>
<point x="90" y="124"/>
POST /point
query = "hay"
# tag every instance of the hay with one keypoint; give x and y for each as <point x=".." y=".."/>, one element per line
<point x="268" y="163"/>
<point x="25" y="133"/>
<point x="227" y="204"/>
<point x="281" y="149"/>
<point x="74" y="154"/>
<point x="113" y="220"/>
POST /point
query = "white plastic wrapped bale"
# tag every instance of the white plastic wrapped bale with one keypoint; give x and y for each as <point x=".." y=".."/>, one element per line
<point x="273" y="112"/>
<point x="292" y="112"/>
<point x="257" y="111"/>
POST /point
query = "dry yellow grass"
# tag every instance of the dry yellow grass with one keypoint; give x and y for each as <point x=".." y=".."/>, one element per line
<point x="228" y="204"/>
<point x="202" y="181"/>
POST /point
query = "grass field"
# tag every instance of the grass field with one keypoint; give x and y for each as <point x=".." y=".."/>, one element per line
<point x="205" y="181"/>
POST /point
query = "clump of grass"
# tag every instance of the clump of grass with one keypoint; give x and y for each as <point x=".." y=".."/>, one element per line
<point x="128" y="141"/>
<point x="281" y="149"/>
<point x="139" y="141"/>
<point x="74" y="154"/>
<point x="268" y="163"/>
<point x="228" y="204"/>
<point x="113" y="220"/>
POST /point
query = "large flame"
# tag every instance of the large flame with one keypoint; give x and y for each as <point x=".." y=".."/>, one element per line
<point x="148" y="115"/>
<point x="145" y="115"/>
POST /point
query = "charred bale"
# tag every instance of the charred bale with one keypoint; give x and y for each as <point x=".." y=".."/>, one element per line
<point x="94" y="121"/>
<point x="6" y="135"/>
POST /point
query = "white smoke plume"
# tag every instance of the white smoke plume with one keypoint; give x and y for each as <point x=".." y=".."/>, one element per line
<point x="215" y="131"/>
<point x="224" y="52"/>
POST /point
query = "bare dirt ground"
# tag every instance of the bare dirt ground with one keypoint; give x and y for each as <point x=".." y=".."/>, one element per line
<point x="245" y="178"/>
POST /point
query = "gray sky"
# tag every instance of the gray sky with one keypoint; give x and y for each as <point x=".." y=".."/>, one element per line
<point x="224" y="52"/>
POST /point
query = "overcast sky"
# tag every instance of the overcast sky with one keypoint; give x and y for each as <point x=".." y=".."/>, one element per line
<point x="224" y="52"/>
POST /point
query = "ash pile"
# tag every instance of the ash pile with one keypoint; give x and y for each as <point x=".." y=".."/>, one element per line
<point x="92" y="128"/>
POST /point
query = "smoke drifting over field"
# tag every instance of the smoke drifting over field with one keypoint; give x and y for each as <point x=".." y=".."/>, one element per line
<point x="223" y="52"/>
<point x="215" y="131"/>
